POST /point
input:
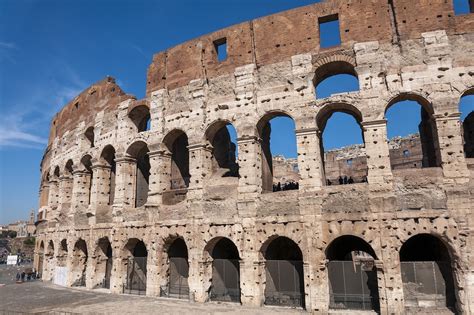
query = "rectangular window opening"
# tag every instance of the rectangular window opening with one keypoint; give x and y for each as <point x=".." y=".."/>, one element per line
<point x="221" y="49"/>
<point x="329" y="31"/>
<point x="463" y="6"/>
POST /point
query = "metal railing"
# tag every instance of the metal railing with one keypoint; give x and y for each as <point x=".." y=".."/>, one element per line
<point x="284" y="283"/>
<point x="353" y="285"/>
<point x="175" y="291"/>
<point x="136" y="270"/>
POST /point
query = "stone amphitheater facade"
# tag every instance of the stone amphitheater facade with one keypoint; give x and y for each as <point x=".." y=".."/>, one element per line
<point x="113" y="190"/>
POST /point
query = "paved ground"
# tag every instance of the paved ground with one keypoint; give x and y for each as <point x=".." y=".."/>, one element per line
<point x="37" y="297"/>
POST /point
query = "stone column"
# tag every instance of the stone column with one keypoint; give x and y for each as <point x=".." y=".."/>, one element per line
<point x="100" y="191"/>
<point x="196" y="276"/>
<point x="377" y="152"/>
<point x="160" y="173"/>
<point x="451" y="147"/>
<point x="250" y="171"/>
<point x="251" y="294"/>
<point x="125" y="185"/>
<point x="65" y="195"/>
<point x="310" y="163"/>
<point x="80" y="191"/>
<point x="200" y="169"/>
<point x="250" y="167"/>
<point x="53" y="196"/>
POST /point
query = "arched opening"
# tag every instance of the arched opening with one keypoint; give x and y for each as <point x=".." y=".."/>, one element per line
<point x="334" y="78"/>
<point x="342" y="145"/>
<point x="136" y="265"/>
<point x="66" y="188"/>
<point x="108" y="159"/>
<point x="352" y="274"/>
<point x="223" y="139"/>
<point x="62" y="254"/>
<point x="466" y="107"/>
<point x="426" y="273"/>
<point x="178" y="272"/>
<point x="79" y="264"/>
<point x="279" y="153"/>
<point x="225" y="284"/>
<point x="412" y="133"/>
<point x="103" y="264"/>
<point x="89" y="134"/>
<point x="49" y="262"/>
<point x="176" y="143"/>
<point x="140" y="116"/>
<point x="41" y="259"/>
<point x="139" y="151"/>
<point x="284" y="284"/>
<point x="86" y="162"/>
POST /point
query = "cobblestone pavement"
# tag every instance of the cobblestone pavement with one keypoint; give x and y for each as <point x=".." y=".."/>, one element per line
<point x="37" y="297"/>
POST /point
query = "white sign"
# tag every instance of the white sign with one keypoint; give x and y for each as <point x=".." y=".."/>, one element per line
<point x="12" y="259"/>
<point x="60" y="276"/>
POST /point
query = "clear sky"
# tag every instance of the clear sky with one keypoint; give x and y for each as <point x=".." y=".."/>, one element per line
<point x="50" y="50"/>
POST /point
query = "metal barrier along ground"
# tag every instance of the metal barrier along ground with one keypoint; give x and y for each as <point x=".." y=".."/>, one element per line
<point x="426" y="284"/>
<point x="353" y="285"/>
<point x="177" y="286"/>
<point x="285" y="284"/>
<point x="225" y="280"/>
<point x="136" y="276"/>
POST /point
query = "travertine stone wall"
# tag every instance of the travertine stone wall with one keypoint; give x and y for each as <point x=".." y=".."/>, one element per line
<point x="398" y="50"/>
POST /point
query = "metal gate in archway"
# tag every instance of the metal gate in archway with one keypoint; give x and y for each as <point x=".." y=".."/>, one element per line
<point x="225" y="280"/>
<point x="284" y="283"/>
<point x="427" y="284"/>
<point x="353" y="285"/>
<point x="136" y="276"/>
<point x="177" y="286"/>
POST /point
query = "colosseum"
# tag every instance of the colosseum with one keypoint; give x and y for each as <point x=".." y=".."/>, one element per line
<point x="150" y="196"/>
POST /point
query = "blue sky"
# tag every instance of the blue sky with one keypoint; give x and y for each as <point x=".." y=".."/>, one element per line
<point x="51" y="50"/>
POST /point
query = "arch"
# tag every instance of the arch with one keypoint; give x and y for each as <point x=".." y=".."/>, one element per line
<point x="178" y="270"/>
<point x="103" y="263"/>
<point x="139" y="150"/>
<point x="427" y="274"/>
<point x="49" y="262"/>
<point x="466" y="108"/>
<point x="328" y="109"/>
<point x="284" y="284"/>
<point x="468" y="134"/>
<point x="107" y="158"/>
<point x="342" y="247"/>
<point x="411" y="96"/>
<point x="50" y="249"/>
<point x="135" y="264"/>
<point x="224" y="159"/>
<point x="57" y="172"/>
<point x="89" y="134"/>
<point x="176" y="141"/>
<point x="341" y="69"/>
<point x="41" y="258"/>
<point x="352" y="275"/>
<point x="79" y="263"/>
<point x="86" y="163"/>
<point x="62" y="253"/>
<point x="339" y="167"/>
<point x="420" y="149"/>
<point x="140" y="116"/>
<point x="225" y="282"/>
<point x="68" y="168"/>
<point x="279" y="172"/>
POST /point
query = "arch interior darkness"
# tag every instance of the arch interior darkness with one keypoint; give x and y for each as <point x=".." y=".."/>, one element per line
<point x="225" y="272"/>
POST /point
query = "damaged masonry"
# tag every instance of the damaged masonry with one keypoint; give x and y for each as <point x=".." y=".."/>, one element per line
<point x="152" y="197"/>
